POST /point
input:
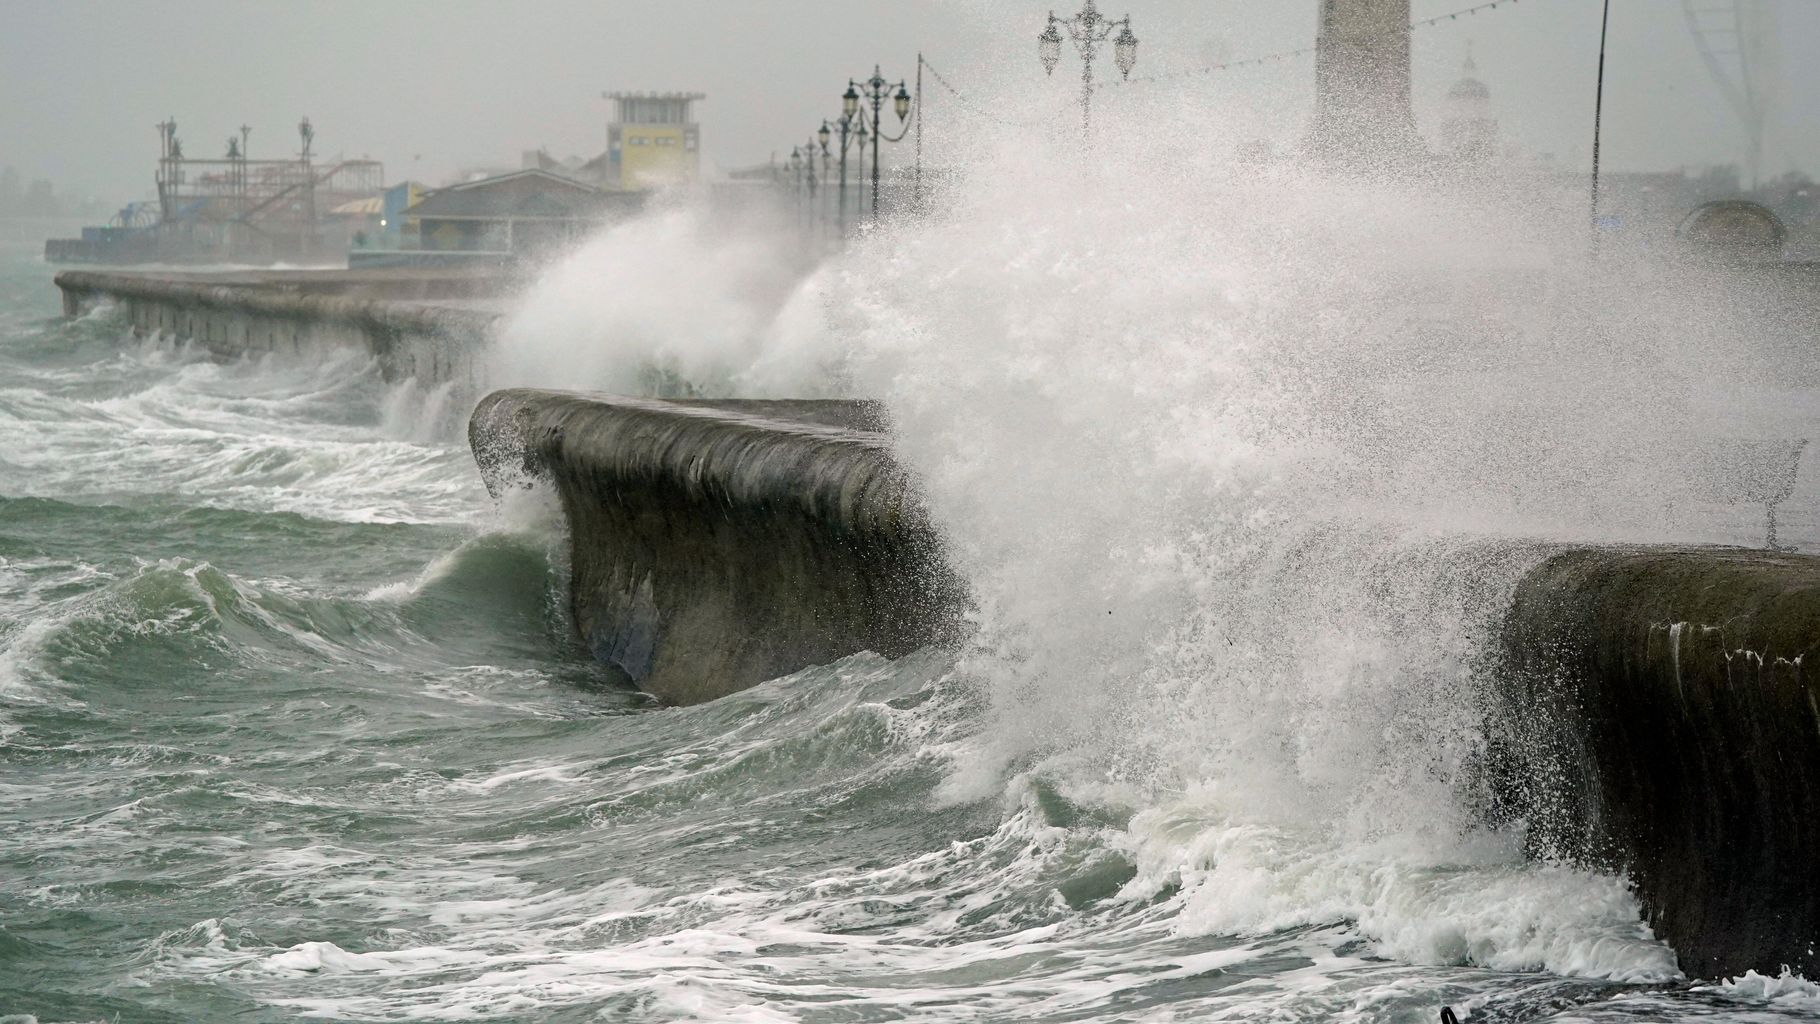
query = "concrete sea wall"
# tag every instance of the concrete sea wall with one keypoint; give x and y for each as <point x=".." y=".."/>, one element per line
<point x="1652" y="709"/>
<point x="426" y="325"/>
<point x="1660" y="717"/>
<point x="719" y="544"/>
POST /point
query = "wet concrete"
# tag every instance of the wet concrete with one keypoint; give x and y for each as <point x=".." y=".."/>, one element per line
<point x="1658" y="716"/>
<point x="720" y="544"/>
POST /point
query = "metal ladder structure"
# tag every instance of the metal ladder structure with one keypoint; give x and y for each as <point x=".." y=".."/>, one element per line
<point x="1733" y="38"/>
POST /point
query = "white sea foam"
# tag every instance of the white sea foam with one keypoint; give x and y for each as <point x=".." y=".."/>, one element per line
<point x="1785" y="991"/>
<point x="311" y="957"/>
<point x="320" y="435"/>
<point x="438" y="569"/>
<point x="1451" y="904"/>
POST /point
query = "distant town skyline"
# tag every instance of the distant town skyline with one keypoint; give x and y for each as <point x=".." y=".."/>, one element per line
<point x="432" y="89"/>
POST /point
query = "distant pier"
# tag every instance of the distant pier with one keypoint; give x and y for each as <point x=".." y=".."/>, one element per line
<point x="417" y="322"/>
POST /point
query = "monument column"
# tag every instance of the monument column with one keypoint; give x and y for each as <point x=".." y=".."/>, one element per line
<point x="1361" y="73"/>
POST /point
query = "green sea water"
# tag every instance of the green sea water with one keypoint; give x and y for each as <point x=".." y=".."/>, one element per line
<point x="293" y="726"/>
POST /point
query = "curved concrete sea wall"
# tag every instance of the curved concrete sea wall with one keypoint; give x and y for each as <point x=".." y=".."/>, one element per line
<point x="1652" y="709"/>
<point x="1663" y="720"/>
<point x="720" y="544"/>
<point x="416" y="324"/>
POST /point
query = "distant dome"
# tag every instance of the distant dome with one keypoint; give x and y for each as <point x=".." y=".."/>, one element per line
<point x="1469" y="89"/>
<point x="1469" y="132"/>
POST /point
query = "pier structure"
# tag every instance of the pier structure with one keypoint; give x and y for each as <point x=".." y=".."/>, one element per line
<point x="235" y="209"/>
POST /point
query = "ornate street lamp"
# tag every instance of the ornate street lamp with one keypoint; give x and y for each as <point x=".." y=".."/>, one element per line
<point x="853" y="135"/>
<point x="802" y="161"/>
<point x="840" y="201"/>
<point x="875" y="90"/>
<point x="1089" y="29"/>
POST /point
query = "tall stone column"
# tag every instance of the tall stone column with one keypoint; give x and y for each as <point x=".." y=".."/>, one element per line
<point x="1361" y="72"/>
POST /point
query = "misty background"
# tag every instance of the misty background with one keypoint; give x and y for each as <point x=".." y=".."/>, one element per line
<point x="439" y="89"/>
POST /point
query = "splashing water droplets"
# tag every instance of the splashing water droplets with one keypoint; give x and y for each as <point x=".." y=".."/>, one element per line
<point x="1242" y="461"/>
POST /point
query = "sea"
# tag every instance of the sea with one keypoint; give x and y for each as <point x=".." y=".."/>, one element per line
<point x="294" y="724"/>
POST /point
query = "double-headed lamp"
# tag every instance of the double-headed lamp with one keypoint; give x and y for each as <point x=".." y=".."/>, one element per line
<point x="1049" y="48"/>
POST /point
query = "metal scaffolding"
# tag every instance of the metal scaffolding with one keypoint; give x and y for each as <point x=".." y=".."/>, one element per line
<point x="284" y="197"/>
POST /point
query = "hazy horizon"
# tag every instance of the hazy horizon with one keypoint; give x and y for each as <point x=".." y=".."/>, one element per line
<point x="436" y="89"/>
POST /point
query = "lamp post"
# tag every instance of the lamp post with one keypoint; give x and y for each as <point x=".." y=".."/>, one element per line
<point x="307" y="134"/>
<point x="1597" y="117"/>
<point x="802" y="163"/>
<point x="876" y="90"/>
<point x="1089" y="29"/>
<point x="861" y="137"/>
<point x="852" y="128"/>
<point x="840" y="197"/>
<point x="796" y="175"/>
<point x="809" y="154"/>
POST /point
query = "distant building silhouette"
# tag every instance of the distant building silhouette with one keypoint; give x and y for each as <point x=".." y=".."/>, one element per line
<point x="1469" y="130"/>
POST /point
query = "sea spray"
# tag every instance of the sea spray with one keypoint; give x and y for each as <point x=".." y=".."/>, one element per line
<point x="688" y="298"/>
<point x="1241" y="459"/>
<point x="1242" y="463"/>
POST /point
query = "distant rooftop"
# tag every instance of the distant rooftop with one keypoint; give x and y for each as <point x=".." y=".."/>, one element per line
<point x="527" y="194"/>
<point x="654" y="107"/>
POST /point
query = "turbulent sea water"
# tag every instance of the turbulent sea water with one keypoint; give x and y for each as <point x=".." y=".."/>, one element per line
<point x="293" y="725"/>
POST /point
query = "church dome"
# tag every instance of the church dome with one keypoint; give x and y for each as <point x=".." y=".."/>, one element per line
<point x="1469" y="89"/>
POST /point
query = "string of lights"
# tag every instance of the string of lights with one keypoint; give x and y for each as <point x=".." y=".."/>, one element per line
<point x="967" y="101"/>
<point x="1271" y="58"/>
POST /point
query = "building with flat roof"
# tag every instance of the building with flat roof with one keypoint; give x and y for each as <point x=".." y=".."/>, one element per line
<point x="525" y="213"/>
<point x="652" y="141"/>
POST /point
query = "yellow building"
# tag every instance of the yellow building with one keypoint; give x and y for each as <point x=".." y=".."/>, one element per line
<point x="653" y="140"/>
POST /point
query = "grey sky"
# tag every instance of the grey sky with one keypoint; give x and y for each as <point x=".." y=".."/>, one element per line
<point x="433" y="87"/>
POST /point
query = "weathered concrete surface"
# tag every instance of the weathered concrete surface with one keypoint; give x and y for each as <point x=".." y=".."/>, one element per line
<point x="417" y="323"/>
<point x="1662" y="719"/>
<point x="720" y="544"/>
